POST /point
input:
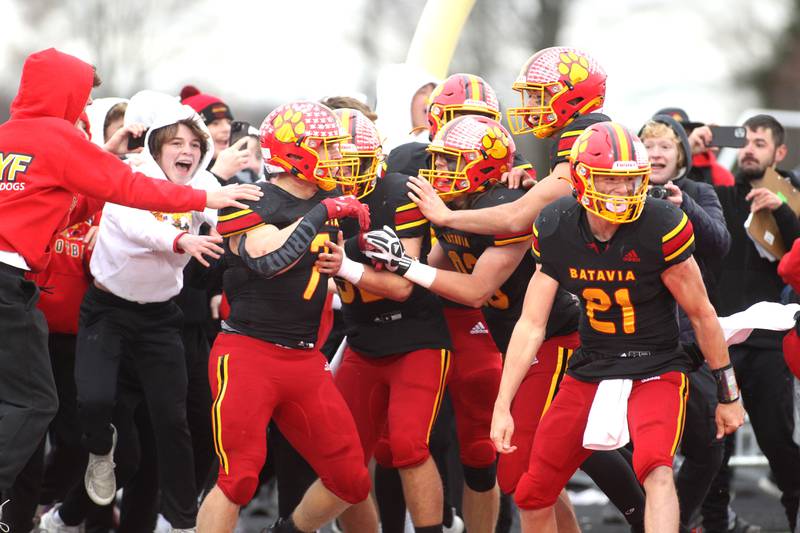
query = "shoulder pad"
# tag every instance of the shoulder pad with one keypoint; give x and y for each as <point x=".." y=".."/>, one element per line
<point x="233" y="221"/>
<point x="665" y="229"/>
<point x="408" y="158"/>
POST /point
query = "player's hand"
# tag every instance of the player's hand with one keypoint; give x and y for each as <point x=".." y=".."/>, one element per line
<point x="228" y="195"/>
<point x="199" y="246"/>
<point x="518" y="177"/>
<point x="231" y="160"/>
<point x="385" y="248"/>
<point x="348" y="207"/>
<point x="762" y="198"/>
<point x="330" y="263"/>
<point x="675" y="194"/>
<point x="118" y="143"/>
<point x="502" y="430"/>
<point x="423" y="194"/>
<point x="214" y="305"/>
<point x="729" y="417"/>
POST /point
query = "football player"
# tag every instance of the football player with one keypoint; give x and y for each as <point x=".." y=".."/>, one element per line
<point x="470" y="154"/>
<point x="561" y="89"/>
<point x="264" y="364"/>
<point x="628" y="261"/>
<point x="397" y="359"/>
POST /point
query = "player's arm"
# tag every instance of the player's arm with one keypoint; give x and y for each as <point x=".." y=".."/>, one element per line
<point x="493" y="268"/>
<point x="380" y="283"/>
<point x="685" y="283"/>
<point x="271" y="251"/>
<point x="525" y="342"/>
<point x="513" y="217"/>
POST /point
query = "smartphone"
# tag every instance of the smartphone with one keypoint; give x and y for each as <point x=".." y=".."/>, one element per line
<point x="730" y="136"/>
<point x="136" y="142"/>
<point x="239" y="129"/>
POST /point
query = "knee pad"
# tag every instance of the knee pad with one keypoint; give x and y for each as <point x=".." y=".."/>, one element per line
<point x="529" y="496"/>
<point x="478" y="452"/>
<point x="351" y="485"/>
<point x="238" y="490"/>
<point x="480" y="479"/>
<point x="402" y="452"/>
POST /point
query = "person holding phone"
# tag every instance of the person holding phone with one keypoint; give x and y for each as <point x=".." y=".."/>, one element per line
<point x="671" y="161"/>
<point x="229" y="158"/>
<point x="747" y="278"/>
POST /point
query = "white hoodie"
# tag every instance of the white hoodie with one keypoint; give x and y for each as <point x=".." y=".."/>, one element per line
<point x="134" y="257"/>
<point x="97" y="113"/>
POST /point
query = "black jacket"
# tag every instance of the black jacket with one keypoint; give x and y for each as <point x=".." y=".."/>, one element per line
<point x="702" y="206"/>
<point x="746" y="278"/>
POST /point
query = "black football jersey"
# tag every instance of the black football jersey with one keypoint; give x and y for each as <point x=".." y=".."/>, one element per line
<point x="628" y="324"/>
<point x="504" y="308"/>
<point x="379" y="327"/>
<point x="285" y="309"/>
<point x="559" y="150"/>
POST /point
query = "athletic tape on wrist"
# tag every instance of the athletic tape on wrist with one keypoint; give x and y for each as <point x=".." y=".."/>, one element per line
<point x="421" y="274"/>
<point x="350" y="270"/>
<point x="727" y="388"/>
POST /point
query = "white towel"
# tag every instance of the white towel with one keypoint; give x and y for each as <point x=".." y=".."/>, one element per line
<point x="762" y="315"/>
<point x="607" y="426"/>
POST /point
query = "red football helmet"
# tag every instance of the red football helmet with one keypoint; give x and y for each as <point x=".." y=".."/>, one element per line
<point x="303" y="138"/>
<point x="574" y="83"/>
<point x="364" y="144"/>
<point x="461" y="94"/>
<point x="477" y="150"/>
<point x="607" y="152"/>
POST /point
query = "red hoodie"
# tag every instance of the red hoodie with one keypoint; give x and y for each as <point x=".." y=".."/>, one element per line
<point x="47" y="165"/>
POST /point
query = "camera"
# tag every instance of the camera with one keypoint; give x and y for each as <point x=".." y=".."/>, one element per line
<point x="657" y="191"/>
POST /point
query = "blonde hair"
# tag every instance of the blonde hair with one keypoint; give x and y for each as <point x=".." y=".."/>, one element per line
<point x="654" y="129"/>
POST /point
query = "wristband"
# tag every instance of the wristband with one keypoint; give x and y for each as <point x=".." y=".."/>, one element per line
<point x="350" y="270"/>
<point x="421" y="274"/>
<point x="727" y="389"/>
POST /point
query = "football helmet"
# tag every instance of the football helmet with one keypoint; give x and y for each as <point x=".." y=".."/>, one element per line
<point x="461" y="94"/>
<point x="556" y="85"/>
<point x="606" y="151"/>
<point x="303" y="139"/>
<point x="364" y="144"/>
<point x="477" y="149"/>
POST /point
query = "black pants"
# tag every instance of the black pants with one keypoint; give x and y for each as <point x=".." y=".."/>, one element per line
<point x="198" y="403"/>
<point x="150" y="335"/>
<point x="28" y="399"/>
<point x="766" y="386"/>
<point x="702" y="451"/>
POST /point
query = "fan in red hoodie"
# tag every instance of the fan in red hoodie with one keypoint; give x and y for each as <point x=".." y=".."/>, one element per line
<point x="789" y="270"/>
<point x="52" y="177"/>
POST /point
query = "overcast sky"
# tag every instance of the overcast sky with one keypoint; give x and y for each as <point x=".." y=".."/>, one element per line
<point x="657" y="52"/>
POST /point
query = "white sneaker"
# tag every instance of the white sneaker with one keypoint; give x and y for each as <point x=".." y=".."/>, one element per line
<point x="456" y="527"/>
<point x="52" y="523"/>
<point x="100" y="481"/>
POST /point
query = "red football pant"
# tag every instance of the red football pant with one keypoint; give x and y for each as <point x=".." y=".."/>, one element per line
<point x="253" y="381"/>
<point x="535" y="394"/>
<point x="398" y="397"/>
<point x="473" y="384"/>
<point x="656" y="413"/>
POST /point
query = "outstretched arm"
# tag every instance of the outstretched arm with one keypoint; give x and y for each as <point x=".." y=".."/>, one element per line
<point x="686" y="285"/>
<point x="512" y="217"/>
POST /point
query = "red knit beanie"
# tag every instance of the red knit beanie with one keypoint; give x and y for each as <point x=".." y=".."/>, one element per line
<point x="209" y="107"/>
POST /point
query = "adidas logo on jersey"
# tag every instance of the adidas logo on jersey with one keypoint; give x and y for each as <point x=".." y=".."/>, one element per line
<point x="479" y="329"/>
<point x="327" y="367"/>
<point x="631" y="257"/>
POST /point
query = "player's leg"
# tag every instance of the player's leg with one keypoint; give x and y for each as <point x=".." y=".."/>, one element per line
<point x="415" y="396"/>
<point x="243" y="401"/>
<point x="316" y="421"/>
<point x="473" y="385"/>
<point x="361" y="383"/>
<point x="557" y="452"/>
<point x="656" y="415"/>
